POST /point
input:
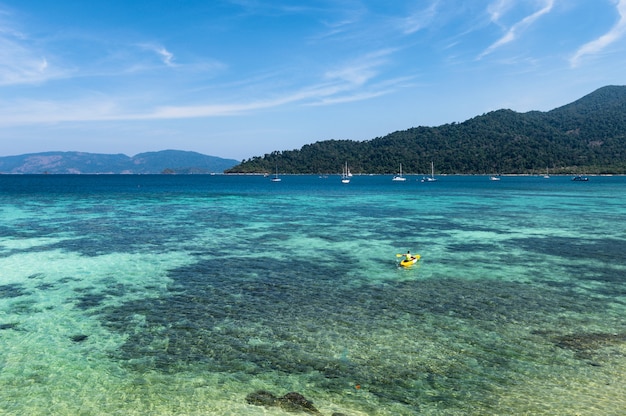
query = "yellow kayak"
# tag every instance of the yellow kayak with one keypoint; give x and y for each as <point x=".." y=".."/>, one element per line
<point x="409" y="262"/>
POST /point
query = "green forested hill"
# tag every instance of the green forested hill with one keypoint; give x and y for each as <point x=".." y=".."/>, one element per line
<point x="586" y="136"/>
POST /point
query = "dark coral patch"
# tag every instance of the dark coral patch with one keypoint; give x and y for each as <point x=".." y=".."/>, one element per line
<point x="291" y="402"/>
<point x="295" y="402"/>
<point x="262" y="398"/>
<point x="11" y="291"/>
<point x="585" y="345"/>
<point x="79" y="337"/>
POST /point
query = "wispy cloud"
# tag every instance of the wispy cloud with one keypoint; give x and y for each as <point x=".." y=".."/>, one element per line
<point x="102" y="108"/>
<point x="347" y="83"/>
<point x="273" y="8"/>
<point x="361" y="70"/>
<point x="420" y="19"/>
<point x="597" y="45"/>
<point x="352" y="81"/>
<point x="164" y="55"/>
<point x="20" y="63"/>
<point x="304" y="95"/>
<point x="341" y="22"/>
<point x="378" y="89"/>
<point x="20" y="67"/>
<point x="49" y="111"/>
<point x="497" y="9"/>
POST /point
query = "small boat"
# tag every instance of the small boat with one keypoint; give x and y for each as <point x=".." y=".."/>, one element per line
<point x="430" y="178"/>
<point x="580" y="178"/>
<point x="275" y="178"/>
<point x="399" y="177"/>
<point x="345" y="176"/>
<point x="547" y="175"/>
<point x="494" y="178"/>
<point x="410" y="262"/>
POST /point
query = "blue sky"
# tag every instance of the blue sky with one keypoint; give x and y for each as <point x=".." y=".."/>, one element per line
<point x="240" y="78"/>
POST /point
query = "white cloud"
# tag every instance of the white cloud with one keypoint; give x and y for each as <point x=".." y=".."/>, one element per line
<point x="597" y="45"/>
<point x="20" y="63"/>
<point x="497" y="9"/>
<point x="420" y="19"/>
<point x="166" y="56"/>
<point x="40" y="111"/>
<point x="361" y="70"/>
<point x="349" y="82"/>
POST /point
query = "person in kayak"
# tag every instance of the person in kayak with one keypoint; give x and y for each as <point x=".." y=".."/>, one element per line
<point x="408" y="256"/>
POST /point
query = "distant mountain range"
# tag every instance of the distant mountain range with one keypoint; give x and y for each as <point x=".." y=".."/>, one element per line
<point x="586" y="136"/>
<point x="166" y="161"/>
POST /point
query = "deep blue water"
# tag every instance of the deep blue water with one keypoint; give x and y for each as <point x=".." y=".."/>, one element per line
<point x="164" y="294"/>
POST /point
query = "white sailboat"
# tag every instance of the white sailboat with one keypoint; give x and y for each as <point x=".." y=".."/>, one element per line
<point x="345" y="176"/>
<point x="276" y="178"/>
<point x="399" y="177"/>
<point x="430" y="178"/>
<point x="547" y="175"/>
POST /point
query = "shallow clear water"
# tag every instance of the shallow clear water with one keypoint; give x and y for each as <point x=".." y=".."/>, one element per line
<point x="181" y="295"/>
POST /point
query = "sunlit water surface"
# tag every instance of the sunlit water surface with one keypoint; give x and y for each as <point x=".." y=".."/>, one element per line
<point x="181" y="295"/>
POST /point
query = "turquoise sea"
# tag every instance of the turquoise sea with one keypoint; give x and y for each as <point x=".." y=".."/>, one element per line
<point x="187" y="295"/>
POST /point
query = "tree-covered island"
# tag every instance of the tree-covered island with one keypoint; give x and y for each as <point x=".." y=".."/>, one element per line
<point x="586" y="136"/>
